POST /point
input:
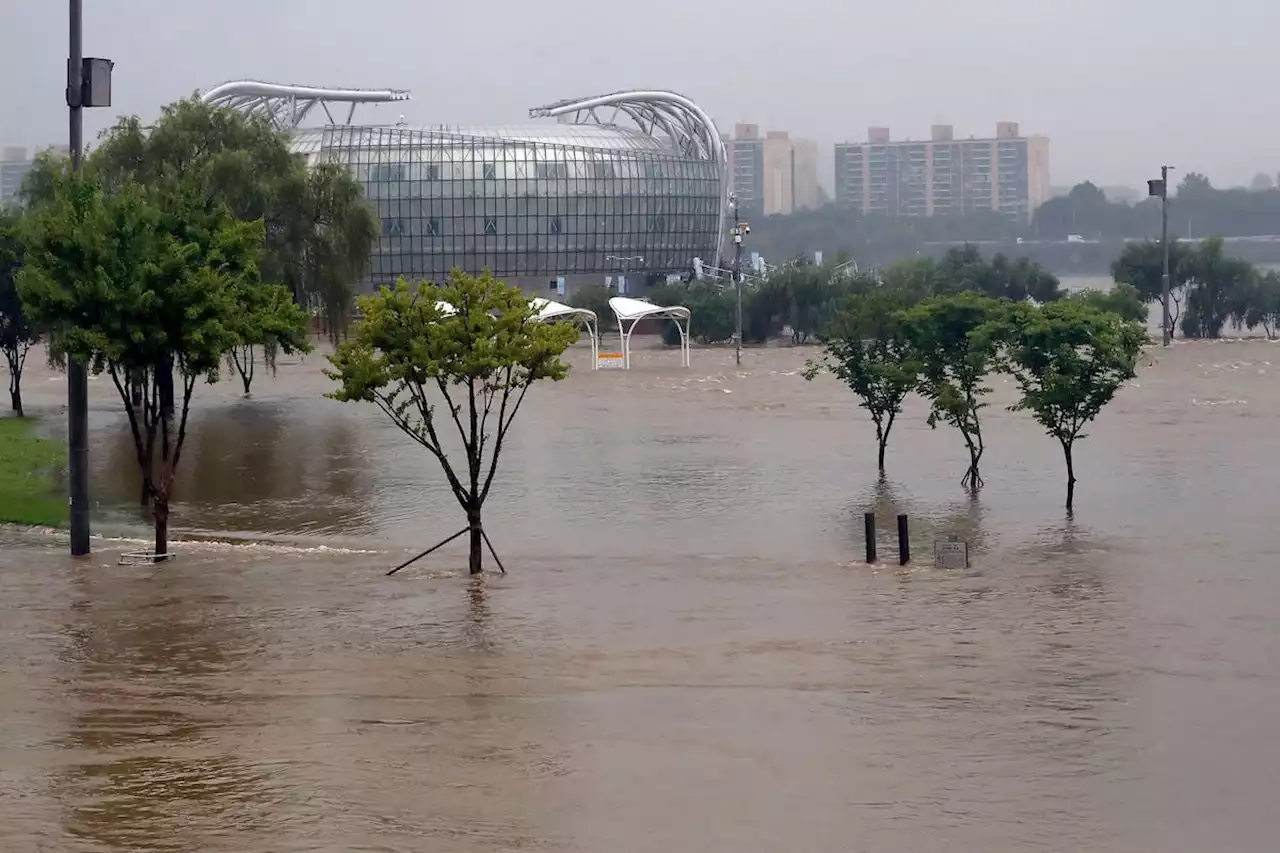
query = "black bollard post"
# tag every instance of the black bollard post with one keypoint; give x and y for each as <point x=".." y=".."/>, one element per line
<point x="904" y="542"/>
<point x="869" y="523"/>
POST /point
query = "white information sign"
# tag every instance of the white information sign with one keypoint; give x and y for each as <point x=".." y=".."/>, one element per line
<point x="951" y="554"/>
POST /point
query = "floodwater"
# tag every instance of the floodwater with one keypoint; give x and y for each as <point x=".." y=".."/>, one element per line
<point x="688" y="653"/>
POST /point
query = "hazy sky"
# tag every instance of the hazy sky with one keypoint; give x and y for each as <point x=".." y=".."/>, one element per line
<point x="1086" y="73"/>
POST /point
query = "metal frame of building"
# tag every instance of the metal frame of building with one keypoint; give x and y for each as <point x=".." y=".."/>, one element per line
<point x="658" y="114"/>
<point x="287" y="106"/>
<point x="661" y="115"/>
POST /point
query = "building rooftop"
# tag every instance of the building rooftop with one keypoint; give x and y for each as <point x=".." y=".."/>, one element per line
<point x="599" y="137"/>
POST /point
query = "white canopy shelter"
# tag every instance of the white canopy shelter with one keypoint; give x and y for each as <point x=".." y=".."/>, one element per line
<point x="550" y="312"/>
<point x="631" y="311"/>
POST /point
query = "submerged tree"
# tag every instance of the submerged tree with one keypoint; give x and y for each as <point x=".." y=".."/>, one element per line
<point x="1142" y="265"/>
<point x="341" y="231"/>
<point x="954" y="363"/>
<point x="472" y="347"/>
<point x="865" y="347"/>
<point x="1264" y="307"/>
<point x="272" y="321"/>
<point x="1069" y="360"/>
<point x="135" y="283"/>
<point x="16" y="332"/>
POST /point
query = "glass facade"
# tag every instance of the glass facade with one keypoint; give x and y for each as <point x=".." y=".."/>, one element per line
<point x="559" y="200"/>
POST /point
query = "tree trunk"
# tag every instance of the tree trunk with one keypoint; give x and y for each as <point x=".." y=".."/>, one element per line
<point x="883" y="439"/>
<point x="244" y="366"/>
<point x="160" y="512"/>
<point x="1071" y="477"/>
<point x="15" y="397"/>
<point x="144" y="495"/>
<point x="137" y="387"/>
<point x="972" y="477"/>
<point x="477" y="541"/>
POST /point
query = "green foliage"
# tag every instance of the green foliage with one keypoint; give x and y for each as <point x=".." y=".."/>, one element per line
<point x="1264" y="304"/>
<point x="29" y="467"/>
<point x="1141" y="265"/>
<point x="42" y="179"/>
<point x="1122" y="299"/>
<point x="269" y="319"/>
<point x="338" y="231"/>
<point x="595" y="297"/>
<point x="865" y="348"/>
<point x="1069" y="360"/>
<point x="1219" y="289"/>
<point x="965" y="269"/>
<point x="954" y="363"/>
<point x="712" y="304"/>
<point x="481" y="358"/>
<point x="802" y="295"/>
<point x="17" y="333"/>
<point x="133" y="283"/>
<point x="319" y="231"/>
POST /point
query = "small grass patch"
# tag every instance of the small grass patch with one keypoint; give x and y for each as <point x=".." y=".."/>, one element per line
<point x="30" y="476"/>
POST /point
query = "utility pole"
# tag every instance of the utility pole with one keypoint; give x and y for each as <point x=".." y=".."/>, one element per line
<point x="737" y="277"/>
<point x="88" y="85"/>
<point x="77" y="373"/>
<point x="1161" y="188"/>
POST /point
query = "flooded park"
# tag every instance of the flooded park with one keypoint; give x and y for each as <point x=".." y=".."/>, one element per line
<point x="688" y="652"/>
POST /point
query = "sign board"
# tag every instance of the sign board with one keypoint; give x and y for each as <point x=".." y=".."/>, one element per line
<point x="952" y="554"/>
<point x="817" y="259"/>
<point x="622" y="285"/>
<point x="560" y="286"/>
<point x="610" y="361"/>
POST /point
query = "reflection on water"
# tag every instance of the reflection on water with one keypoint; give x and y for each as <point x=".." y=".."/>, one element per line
<point x="688" y="653"/>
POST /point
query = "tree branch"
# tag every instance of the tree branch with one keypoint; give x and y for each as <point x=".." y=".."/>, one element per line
<point x="188" y="387"/>
<point x="138" y="445"/>
<point x="503" y="426"/>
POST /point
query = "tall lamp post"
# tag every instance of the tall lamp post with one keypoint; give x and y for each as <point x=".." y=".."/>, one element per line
<point x="739" y="229"/>
<point x="88" y="85"/>
<point x="1160" y="188"/>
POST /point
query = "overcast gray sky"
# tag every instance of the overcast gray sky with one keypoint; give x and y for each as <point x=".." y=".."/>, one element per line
<point x="1086" y="73"/>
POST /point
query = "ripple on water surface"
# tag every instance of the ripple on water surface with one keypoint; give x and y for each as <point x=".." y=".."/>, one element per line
<point x="687" y="653"/>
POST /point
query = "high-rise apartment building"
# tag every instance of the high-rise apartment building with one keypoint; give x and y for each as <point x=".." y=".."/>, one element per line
<point x="805" y="191"/>
<point x="14" y="165"/>
<point x="944" y="176"/>
<point x="772" y="174"/>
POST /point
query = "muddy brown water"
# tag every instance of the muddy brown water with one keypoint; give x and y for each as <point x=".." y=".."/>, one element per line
<point x="687" y="653"/>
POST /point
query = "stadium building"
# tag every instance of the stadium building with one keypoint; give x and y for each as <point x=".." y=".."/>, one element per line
<point x="624" y="188"/>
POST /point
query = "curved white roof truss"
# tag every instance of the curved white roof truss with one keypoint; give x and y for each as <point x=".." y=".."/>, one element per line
<point x="668" y="116"/>
<point x="629" y="312"/>
<point x="556" y="312"/>
<point x="287" y="106"/>
<point x="662" y="115"/>
<point x="553" y="312"/>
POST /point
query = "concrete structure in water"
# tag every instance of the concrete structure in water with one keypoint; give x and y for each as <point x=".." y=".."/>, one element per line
<point x="1007" y="173"/>
<point x="772" y="174"/>
<point x="625" y="188"/>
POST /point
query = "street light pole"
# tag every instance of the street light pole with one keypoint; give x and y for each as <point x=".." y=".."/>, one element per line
<point x="1164" y="244"/>
<point x="77" y="373"/>
<point x="737" y="278"/>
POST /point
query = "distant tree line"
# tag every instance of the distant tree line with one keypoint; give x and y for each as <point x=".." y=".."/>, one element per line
<point x="1198" y="209"/>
